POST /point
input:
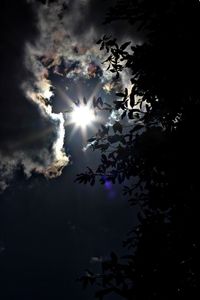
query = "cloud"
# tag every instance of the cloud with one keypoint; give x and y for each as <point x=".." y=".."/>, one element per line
<point x="32" y="136"/>
<point x="69" y="31"/>
<point x="39" y="38"/>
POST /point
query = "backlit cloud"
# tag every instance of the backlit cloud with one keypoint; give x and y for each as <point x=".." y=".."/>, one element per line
<point x="41" y="38"/>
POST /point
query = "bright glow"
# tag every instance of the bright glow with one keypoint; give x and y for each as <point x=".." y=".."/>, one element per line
<point x="82" y="116"/>
<point x="47" y="94"/>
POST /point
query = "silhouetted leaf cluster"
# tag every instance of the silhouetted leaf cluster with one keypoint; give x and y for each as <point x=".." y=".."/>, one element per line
<point x="154" y="151"/>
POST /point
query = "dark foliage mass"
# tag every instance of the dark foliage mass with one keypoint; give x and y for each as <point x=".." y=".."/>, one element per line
<point x="157" y="153"/>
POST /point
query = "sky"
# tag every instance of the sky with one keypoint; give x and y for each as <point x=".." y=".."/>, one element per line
<point x="51" y="228"/>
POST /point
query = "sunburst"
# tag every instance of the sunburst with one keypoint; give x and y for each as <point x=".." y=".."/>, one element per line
<point x="82" y="116"/>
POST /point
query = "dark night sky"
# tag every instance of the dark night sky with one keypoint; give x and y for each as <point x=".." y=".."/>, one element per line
<point x="51" y="228"/>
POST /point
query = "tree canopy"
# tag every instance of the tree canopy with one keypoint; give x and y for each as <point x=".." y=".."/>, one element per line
<point x="154" y="147"/>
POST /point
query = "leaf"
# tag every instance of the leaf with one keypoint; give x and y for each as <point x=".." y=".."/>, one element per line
<point x="123" y="115"/>
<point x="117" y="127"/>
<point x="100" y="101"/>
<point x="107" y="59"/>
<point x="132" y="98"/>
<point x="83" y="178"/>
<point x="147" y="108"/>
<point x="103" y="147"/>
<point x="104" y="159"/>
<point x="125" y="45"/>
<point x="117" y="75"/>
<point x="90" y="170"/>
<point x="102" y="46"/>
<point x="114" y="139"/>
<point x="111" y="42"/>
<point x="130" y="114"/>
<point x="92" y="182"/>
<point x="91" y="140"/>
<point x="94" y="102"/>
<point x="120" y="95"/>
<point x="105" y="37"/>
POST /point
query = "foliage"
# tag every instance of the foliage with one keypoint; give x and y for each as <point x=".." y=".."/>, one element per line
<point x="154" y="147"/>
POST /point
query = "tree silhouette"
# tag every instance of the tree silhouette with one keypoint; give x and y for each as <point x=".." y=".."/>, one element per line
<point x="157" y="153"/>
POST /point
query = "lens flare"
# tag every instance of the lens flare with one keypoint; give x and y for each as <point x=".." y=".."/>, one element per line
<point x="82" y="116"/>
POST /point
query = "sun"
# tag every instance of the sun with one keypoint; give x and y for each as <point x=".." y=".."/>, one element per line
<point x="82" y="116"/>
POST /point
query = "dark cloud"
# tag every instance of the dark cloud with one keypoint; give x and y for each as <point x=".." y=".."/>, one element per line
<point x="91" y="14"/>
<point x="28" y="131"/>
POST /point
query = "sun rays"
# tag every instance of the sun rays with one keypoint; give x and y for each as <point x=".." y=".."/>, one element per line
<point x="81" y="114"/>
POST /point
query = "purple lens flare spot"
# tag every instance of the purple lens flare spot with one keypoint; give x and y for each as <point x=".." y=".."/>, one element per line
<point x="109" y="187"/>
